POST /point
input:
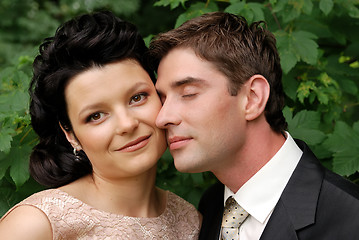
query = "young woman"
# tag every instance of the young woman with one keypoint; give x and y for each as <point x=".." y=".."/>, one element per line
<point x="94" y="105"/>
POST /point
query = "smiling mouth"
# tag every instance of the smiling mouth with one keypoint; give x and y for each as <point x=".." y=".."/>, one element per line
<point x="135" y="145"/>
<point x="177" y="142"/>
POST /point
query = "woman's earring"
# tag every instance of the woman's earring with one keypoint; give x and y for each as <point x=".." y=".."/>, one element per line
<point x="77" y="157"/>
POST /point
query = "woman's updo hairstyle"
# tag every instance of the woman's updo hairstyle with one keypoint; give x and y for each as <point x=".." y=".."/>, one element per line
<point x="82" y="43"/>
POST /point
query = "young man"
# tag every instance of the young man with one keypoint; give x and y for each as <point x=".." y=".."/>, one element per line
<point x="220" y="85"/>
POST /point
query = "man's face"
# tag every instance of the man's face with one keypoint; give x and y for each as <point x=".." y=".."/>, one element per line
<point x="205" y="125"/>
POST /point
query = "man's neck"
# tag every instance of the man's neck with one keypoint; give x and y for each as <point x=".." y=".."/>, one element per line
<point x="261" y="145"/>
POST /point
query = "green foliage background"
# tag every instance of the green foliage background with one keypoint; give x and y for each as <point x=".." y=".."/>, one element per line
<point x="318" y="41"/>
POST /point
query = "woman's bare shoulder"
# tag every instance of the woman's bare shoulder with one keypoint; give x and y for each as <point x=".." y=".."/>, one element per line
<point x="25" y="222"/>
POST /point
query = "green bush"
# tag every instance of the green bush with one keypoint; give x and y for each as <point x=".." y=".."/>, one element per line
<point x="318" y="43"/>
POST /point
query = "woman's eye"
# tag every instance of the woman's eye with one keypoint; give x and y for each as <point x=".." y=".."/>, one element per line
<point x="95" y="117"/>
<point x="138" y="98"/>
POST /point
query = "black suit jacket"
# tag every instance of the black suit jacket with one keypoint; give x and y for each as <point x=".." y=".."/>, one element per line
<point x="316" y="204"/>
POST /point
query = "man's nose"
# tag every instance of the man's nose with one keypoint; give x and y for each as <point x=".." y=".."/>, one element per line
<point x="168" y="115"/>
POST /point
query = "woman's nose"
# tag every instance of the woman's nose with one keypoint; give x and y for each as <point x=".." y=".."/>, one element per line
<point x="126" y="122"/>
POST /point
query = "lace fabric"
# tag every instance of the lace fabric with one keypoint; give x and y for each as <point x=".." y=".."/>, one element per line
<point x="71" y="218"/>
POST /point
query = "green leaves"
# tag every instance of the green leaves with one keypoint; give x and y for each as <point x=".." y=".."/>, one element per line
<point x="17" y="162"/>
<point x="289" y="10"/>
<point x="304" y="125"/>
<point x="344" y="144"/>
<point x="15" y="148"/>
<point x="172" y="3"/>
<point x="296" y="46"/>
<point x="122" y="7"/>
<point x="318" y="46"/>
<point x="13" y="105"/>
<point x="326" y="6"/>
<point x="195" y="10"/>
<point x="251" y="11"/>
<point x="19" y="170"/>
<point x="323" y="88"/>
<point x="305" y="46"/>
<point x="352" y="8"/>
<point x="16" y="136"/>
<point x="5" y="139"/>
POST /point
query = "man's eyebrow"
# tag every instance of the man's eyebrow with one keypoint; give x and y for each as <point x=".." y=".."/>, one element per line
<point x="187" y="81"/>
<point x="182" y="82"/>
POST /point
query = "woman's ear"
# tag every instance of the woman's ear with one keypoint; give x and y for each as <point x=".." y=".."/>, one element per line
<point x="70" y="136"/>
<point x="258" y="90"/>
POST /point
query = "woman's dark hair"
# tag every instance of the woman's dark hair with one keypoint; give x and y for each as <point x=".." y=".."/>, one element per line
<point x="84" y="42"/>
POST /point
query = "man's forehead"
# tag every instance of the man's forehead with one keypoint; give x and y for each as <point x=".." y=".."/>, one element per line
<point x="181" y="66"/>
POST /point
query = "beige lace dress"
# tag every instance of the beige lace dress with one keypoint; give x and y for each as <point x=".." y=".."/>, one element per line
<point x="70" y="218"/>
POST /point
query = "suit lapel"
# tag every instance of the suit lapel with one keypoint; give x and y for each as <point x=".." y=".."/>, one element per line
<point x="215" y="227"/>
<point x="297" y="205"/>
<point x="211" y="206"/>
<point x="278" y="227"/>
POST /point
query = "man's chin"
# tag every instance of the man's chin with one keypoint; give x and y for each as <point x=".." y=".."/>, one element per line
<point x="185" y="168"/>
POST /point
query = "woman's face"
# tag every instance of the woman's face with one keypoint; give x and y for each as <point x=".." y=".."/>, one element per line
<point x="113" y="110"/>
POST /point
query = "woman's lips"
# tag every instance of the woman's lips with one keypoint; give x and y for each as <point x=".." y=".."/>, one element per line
<point x="135" y="145"/>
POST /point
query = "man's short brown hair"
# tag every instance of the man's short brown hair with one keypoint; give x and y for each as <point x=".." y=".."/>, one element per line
<point x="236" y="49"/>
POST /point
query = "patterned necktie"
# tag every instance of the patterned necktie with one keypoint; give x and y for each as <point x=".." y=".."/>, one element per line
<point x="233" y="217"/>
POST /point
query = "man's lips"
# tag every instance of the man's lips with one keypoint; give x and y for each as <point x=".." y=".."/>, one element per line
<point x="178" y="142"/>
<point x="135" y="144"/>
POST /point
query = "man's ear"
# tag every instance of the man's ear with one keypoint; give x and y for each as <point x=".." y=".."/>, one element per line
<point x="257" y="90"/>
<point x="70" y="136"/>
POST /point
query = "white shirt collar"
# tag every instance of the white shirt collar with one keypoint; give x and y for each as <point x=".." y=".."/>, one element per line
<point x="259" y="195"/>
